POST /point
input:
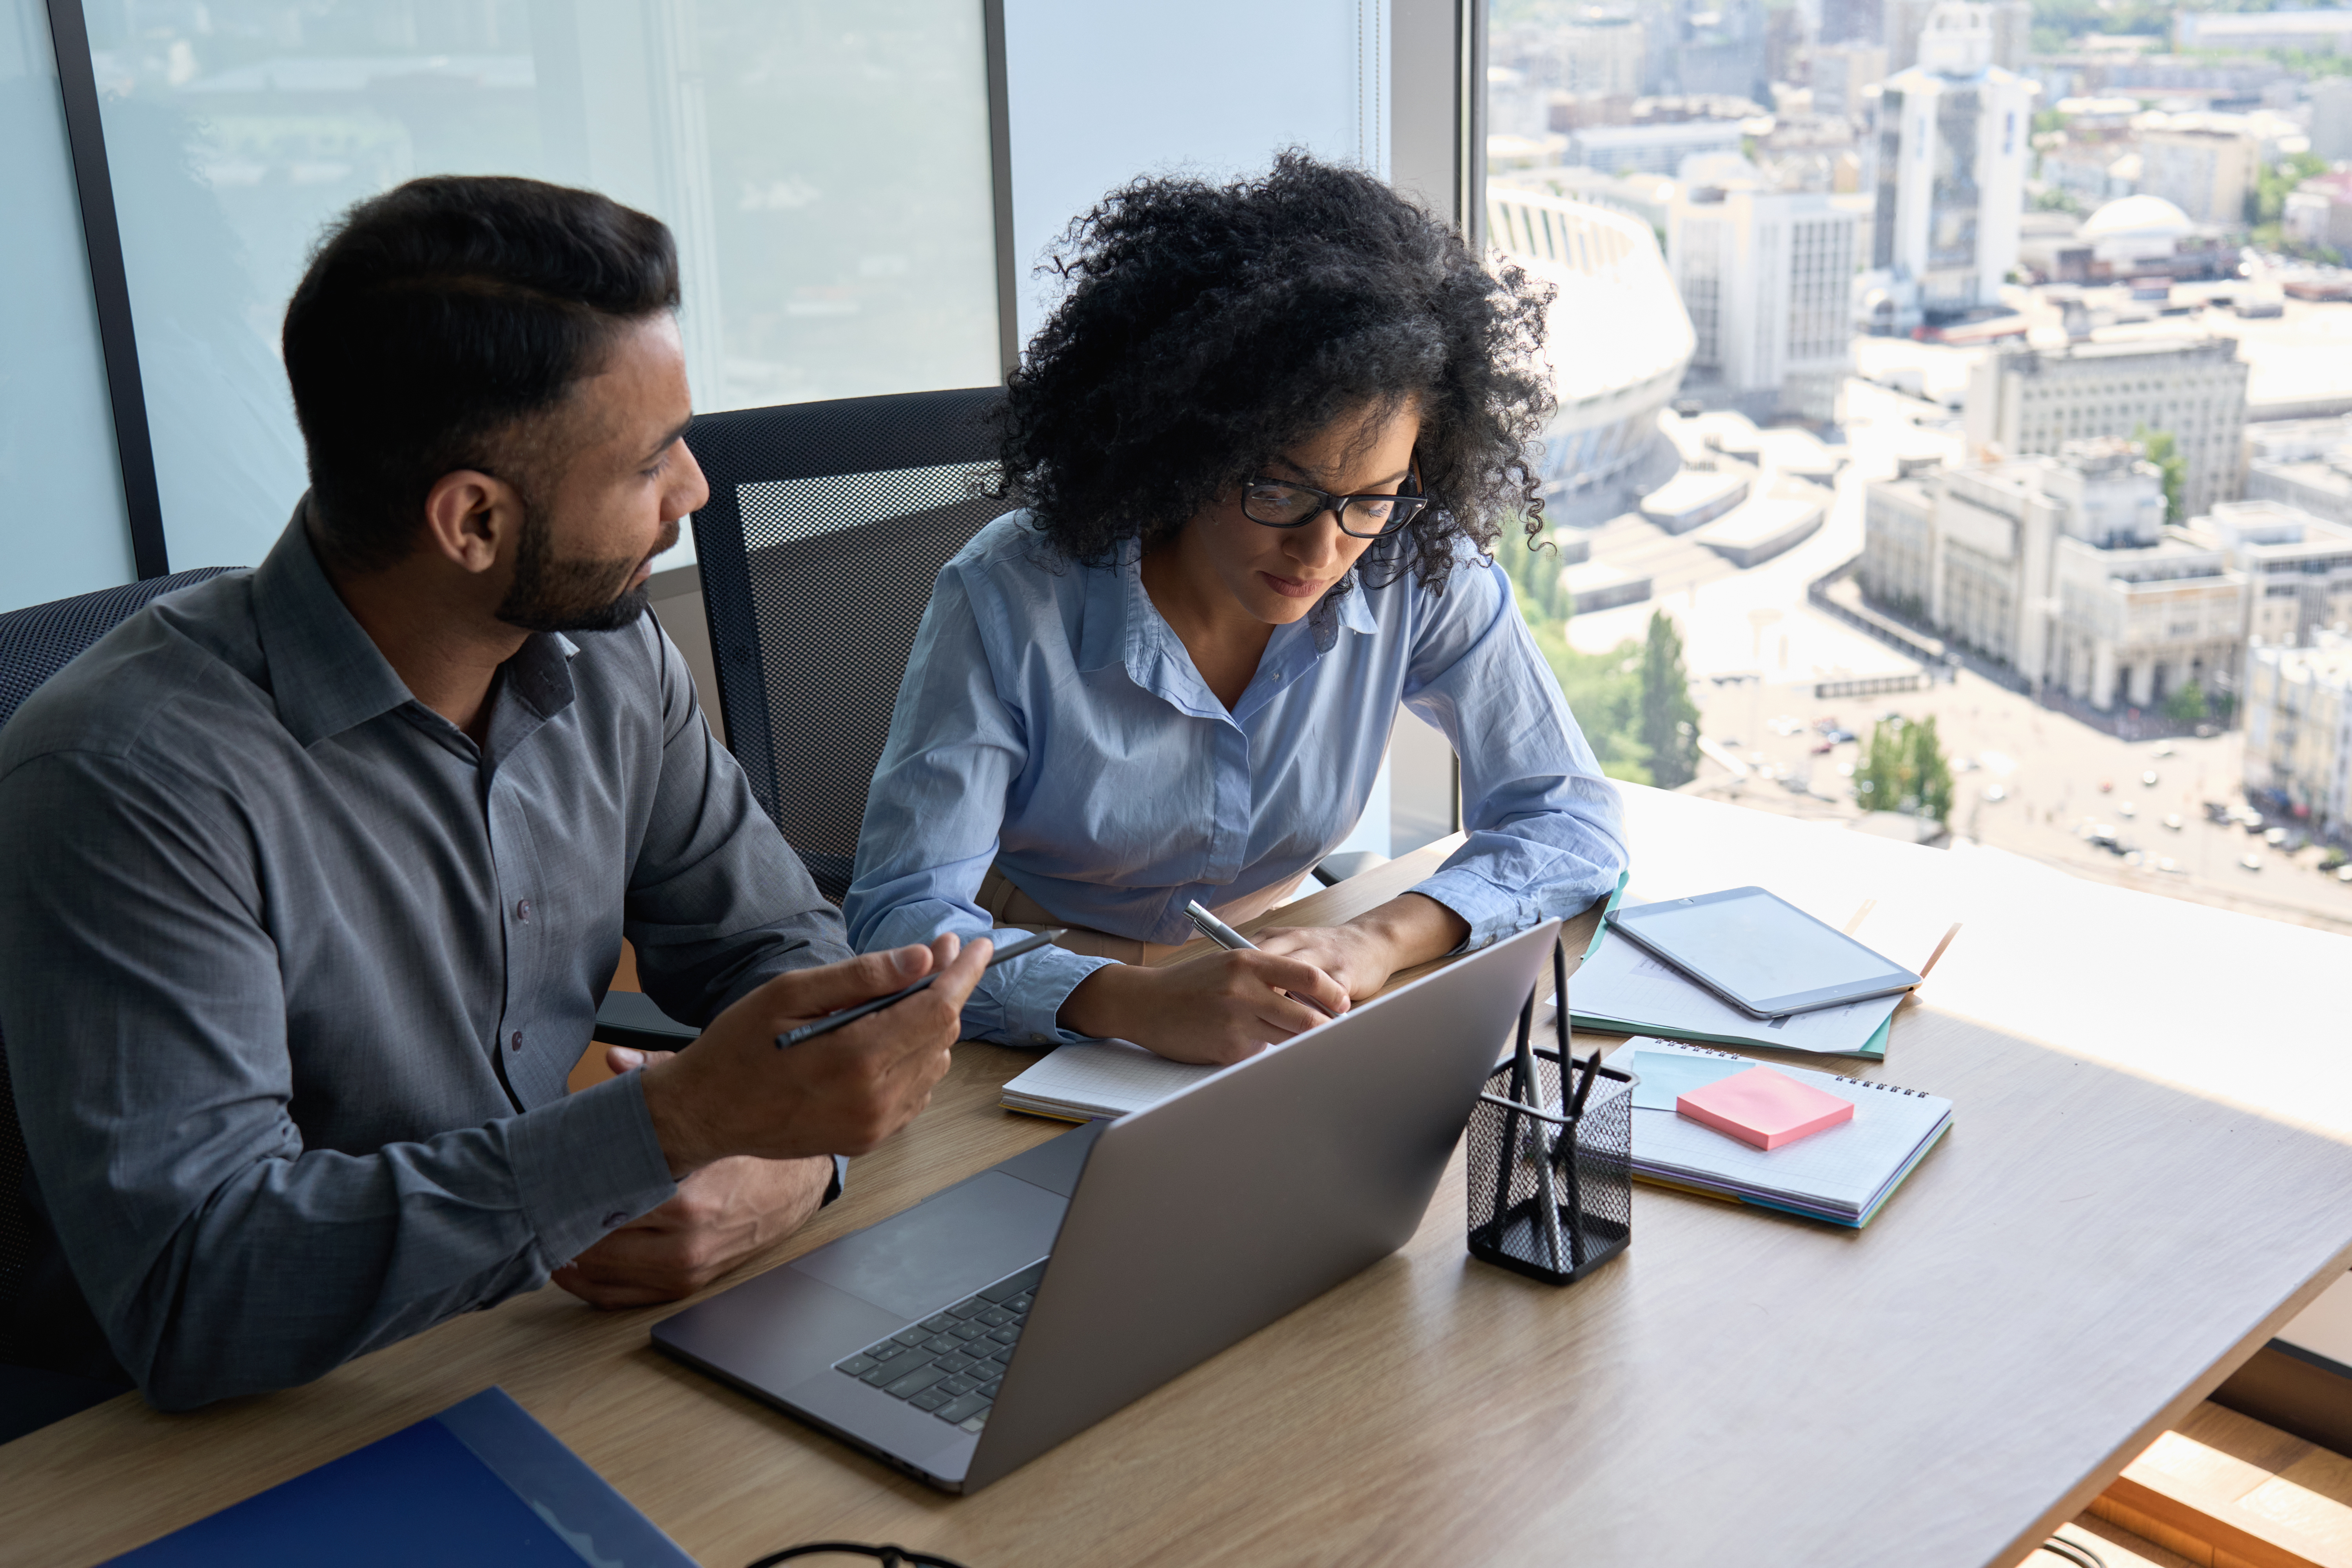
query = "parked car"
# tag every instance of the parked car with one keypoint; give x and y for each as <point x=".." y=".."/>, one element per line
<point x="2275" y="837"/>
<point x="2148" y="778"/>
<point x="2250" y="862"/>
<point x="2172" y="820"/>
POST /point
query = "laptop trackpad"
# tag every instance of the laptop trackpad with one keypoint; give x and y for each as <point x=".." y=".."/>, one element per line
<point x="946" y="1246"/>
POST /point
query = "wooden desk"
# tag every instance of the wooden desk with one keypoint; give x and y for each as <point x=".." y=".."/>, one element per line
<point x="2149" y="1173"/>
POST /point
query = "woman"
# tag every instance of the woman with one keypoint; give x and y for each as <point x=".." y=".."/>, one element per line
<point x="1264" y="442"/>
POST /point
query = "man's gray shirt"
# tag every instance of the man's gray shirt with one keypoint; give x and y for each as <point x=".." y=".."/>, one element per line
<point x="292" y="974"/>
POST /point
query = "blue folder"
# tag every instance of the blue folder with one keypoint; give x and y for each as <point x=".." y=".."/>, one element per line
<point x="480" y="1483"/>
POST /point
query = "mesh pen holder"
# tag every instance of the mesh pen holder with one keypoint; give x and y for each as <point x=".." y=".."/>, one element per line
<point x="1551" y="1184"/>
<point x="1518" y="1151"/>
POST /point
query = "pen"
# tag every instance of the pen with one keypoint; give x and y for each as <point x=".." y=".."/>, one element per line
<point x="785" y="1041"/>
<point x="1232" y="940"/>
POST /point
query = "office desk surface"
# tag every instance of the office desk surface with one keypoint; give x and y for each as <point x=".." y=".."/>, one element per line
<point x="2151" y="1169"/>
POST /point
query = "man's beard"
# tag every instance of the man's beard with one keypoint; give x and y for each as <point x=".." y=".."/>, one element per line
<point x="551" y="596"/>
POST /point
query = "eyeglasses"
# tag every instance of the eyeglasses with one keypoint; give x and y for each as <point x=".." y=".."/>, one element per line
<point x="1278" y="503"/>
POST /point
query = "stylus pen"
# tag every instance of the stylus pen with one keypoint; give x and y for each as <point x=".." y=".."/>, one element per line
<point x="1232" y="940"/>
<point x="1029" y="943"/>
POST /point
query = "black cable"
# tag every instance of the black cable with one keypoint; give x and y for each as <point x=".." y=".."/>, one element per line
<point x="888" y="1556"/>
<point x="2081" y="1556"/>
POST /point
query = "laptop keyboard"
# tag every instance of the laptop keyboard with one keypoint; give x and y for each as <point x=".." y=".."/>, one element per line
<point x="953" y="1363"/>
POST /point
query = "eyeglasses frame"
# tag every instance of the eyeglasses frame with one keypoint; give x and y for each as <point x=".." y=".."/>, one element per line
<point x="1337" y="505"/>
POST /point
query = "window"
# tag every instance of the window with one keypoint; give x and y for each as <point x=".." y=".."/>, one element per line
<point x="824" y="166"/>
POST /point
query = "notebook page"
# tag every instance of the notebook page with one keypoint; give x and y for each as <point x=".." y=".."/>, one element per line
<point x="1624" y="982"/>
<point x="1843" y="1166"/>
<point x="1104" y="1078"/>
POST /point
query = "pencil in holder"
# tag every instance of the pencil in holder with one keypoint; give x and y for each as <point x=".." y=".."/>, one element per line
<point x="1551" y="1161"/>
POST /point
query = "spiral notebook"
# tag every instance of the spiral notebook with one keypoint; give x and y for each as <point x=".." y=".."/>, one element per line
<point x="1843" y="1176"/>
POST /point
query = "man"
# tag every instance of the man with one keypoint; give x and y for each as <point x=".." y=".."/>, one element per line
<point x="311" y="879"/>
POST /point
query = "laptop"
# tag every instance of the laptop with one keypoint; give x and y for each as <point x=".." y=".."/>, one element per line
<point x="965" y="1336"/>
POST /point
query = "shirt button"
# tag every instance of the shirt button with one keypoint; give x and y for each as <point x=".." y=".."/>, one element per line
<point x="523" y="911"/>
<point x="514" y="1041"/>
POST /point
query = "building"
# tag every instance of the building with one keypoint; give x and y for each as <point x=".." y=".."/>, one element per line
<point x="1851" y="22"/>
<point x="2304" y="463"/>
<point x="2331" y="118"/>
<point x="2012" y="33"/>
<point x="2298" y="568"/>
<point x="1649" y="197"/>
<point x="1902" y="22"/>
<point x="1616" y="302"/>
<point x="1766" y="276"/>
<point x="2251" y="32"/>
<point x="2023" y="400"/>
<point x="2092" y="167"/>
<point x="1601" y="56"/>
<point x="2062" y="569"/>
<point x="2132" y="238"/>
<point x="1655" y="147"/>
<point x="2298" y="713"/>
<point x="2319" y="211"/>
<point x="1949" y="169"/>
<point x="1843" y="75"/>
<point x="2209" y="172"/>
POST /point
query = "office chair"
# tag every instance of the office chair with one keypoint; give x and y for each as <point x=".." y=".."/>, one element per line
<point x="825" y="525"/>
<point x="36" y="642"/>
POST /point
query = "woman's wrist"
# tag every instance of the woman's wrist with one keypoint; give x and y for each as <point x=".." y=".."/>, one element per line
<point x="1412" y="929"/>
<point x="1100" y="1004"/>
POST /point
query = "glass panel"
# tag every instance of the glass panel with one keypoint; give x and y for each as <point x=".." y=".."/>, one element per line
<point x="64" y="531"/>
<point x="824" y="163"/>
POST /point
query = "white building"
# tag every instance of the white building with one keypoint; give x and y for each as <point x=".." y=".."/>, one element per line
<point x="2298" y="711"/>
<point x="1617" y="310"/>
<point x="2331" y="118"/>
<point x="2207" y="170"/>
<point x="2023" y="400"/>
<point x="1949" y="156"/>
<point x="1766" y="276"/>
<point x="2298" y="568"/>
<point x="2062" y="569"/>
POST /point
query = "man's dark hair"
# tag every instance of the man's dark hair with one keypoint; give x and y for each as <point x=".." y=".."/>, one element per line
<point x="436" y="317"/>
<point x="1207" y="328"/>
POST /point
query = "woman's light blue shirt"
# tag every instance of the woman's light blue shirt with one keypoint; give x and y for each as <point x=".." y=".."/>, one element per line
<point x="1051" y="723"/>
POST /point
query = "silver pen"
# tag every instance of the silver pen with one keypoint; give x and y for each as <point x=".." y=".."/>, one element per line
<point x="1232" y="940"/>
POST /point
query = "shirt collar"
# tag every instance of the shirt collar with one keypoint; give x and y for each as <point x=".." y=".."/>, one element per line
<point x="1122" y="626"/>
<point x="327" y="674"/>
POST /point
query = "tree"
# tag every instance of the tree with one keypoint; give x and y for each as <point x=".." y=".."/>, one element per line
<point x="1534" y="567"/>
<point x="1669" y="718"/>
<point x="1904" y="769"/>
<point x="2186" y="705"/>
<point x="2165" y="453"/>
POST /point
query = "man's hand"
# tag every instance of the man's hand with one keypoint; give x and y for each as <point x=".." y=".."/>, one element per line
<point x="723" y="1213"/>
<point x="734" y="1092"/>
<point x="1218" y="1009"/>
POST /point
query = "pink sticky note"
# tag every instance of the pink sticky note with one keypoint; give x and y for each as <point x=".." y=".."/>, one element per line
<point x="1764" y="1108"/>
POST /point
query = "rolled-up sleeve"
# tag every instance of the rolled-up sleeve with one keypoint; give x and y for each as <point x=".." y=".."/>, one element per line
<point x="1546" y="834"/>
<point x="933" y="819"/>
<point x="146" y="1031"/>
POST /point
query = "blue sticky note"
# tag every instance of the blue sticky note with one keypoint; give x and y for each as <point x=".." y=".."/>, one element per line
<point x="1666" y="1076"/>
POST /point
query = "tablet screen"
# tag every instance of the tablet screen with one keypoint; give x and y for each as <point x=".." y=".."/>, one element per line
<point x="1761" y="950"/>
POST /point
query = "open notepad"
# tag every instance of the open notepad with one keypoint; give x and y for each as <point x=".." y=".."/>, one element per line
<point x="1841" y="1175"/>
<point x="1099" y="1081"/>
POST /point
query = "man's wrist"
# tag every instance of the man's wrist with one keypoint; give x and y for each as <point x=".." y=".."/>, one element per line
<point x="686" y="1141"/>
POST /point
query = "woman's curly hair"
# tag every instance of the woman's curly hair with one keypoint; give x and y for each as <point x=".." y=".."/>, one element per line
<point x="1208" y="328"/>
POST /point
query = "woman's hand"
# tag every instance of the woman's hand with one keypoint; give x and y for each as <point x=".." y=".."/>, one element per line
<point x="1361" y="954"/>
<point x="1218" y="1009"/>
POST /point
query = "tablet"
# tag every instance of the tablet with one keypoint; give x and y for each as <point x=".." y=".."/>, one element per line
<point x="1762" y="953"/>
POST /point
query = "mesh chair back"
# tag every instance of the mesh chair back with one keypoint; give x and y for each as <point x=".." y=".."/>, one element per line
<point x="35" y="644"/>
<point x="826" y="523"/>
